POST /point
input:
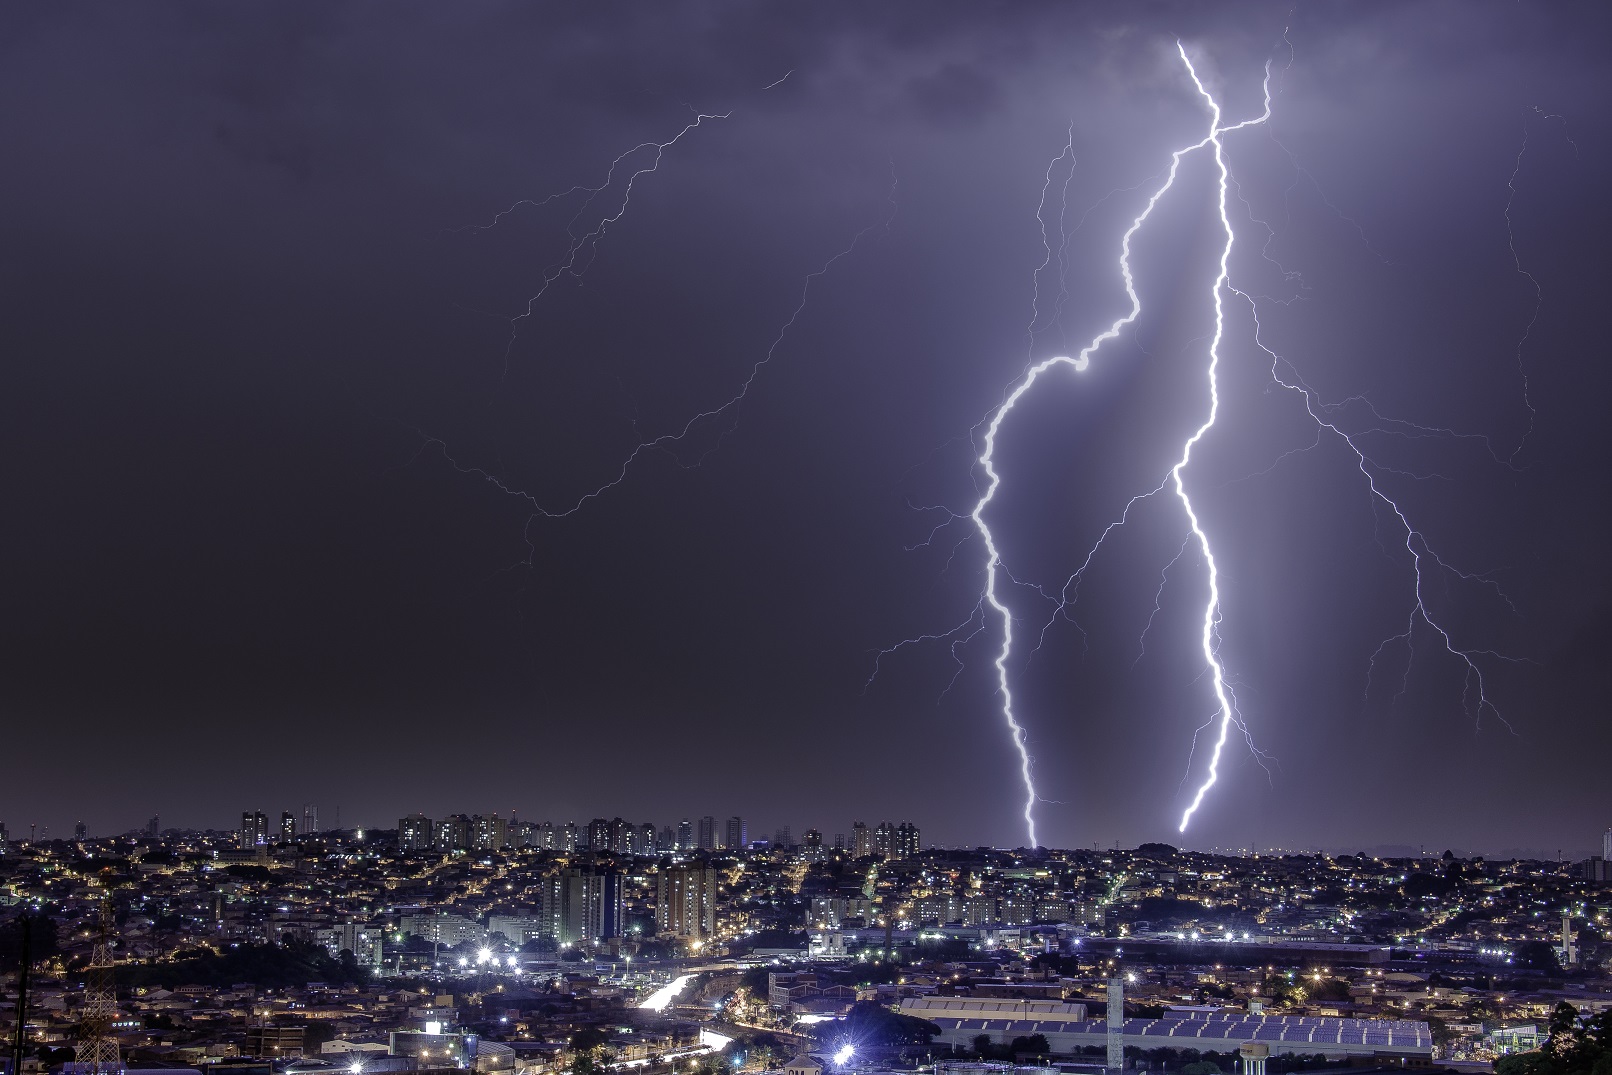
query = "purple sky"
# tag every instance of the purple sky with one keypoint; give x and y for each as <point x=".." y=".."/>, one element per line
<point x="243" y="313"/>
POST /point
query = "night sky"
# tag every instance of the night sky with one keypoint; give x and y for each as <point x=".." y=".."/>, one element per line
<point x="259" y="363"/>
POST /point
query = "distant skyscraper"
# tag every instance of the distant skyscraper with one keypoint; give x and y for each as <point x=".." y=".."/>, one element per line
<point x="456" y="832"/>
<point x="80" y="831"/>
<point x="646" y="838"/>
<point x="598" y="836"/>
<point x="613" y="912"/>
<point x="153" y="825"/>
<point x="685" y="901"/>
<point x="254" y="829"/>
<point x="812" y="840"/>
<point x="492" y="833"/>
<point x="622" y="835"/>
<point x="707" y="837"/>
<point x="685" y="836"/>
<point x="737" y="836"/>
<point x="310" y="819"/>
<point x="414" y="833"/>
<point x="567" y="837"/>
<point x="906" y="842"/>
<point x="839" y="841"/>
<point x="861" y="841"/>
<point x="1606" y="845"/>
<point x="884" y="839"/>
<point x="550" y="907"/>
<point x="288" y="827"/>
<point x="590" y="906"/>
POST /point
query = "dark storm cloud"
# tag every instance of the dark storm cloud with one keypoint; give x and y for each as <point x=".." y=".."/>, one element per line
<point x="235" y="296"/>
<point x="954" y="93"/>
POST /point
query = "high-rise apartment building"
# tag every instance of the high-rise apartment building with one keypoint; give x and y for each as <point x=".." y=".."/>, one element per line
<point x="737" y="836"/>
<point x="598" y="835"/>
<point x="491" y="833"/>
<point x="442" y="929"/>
<point x="364" y="942"/>
<point x="906" y="844"/>
<point x="254" y="829"/>
<point x="685" y="901"/>
<point x="861" y="841"/>
<point x="414" y="833"/>
<point x="517" y="929"/>
<point x="154" y="825"/>
<point x="591" y="906"/>
<point x="646" y="839"/>
<point x="550" y="908"/>
<point x="310" y="819"/>
<point x="707" y="834"/>
<point x="621" y="836"/>
<point x="80" y="831"/>
<point x="288" y="827"/>
<point x="839" y="841"/>
<point x="567" y="837"/>
<point x="613" y="915"/>
<point x="456" y="832"/>
<point x="577" y="897"/>
<point x="685" y="836"/>
<point x="884" y="839"/>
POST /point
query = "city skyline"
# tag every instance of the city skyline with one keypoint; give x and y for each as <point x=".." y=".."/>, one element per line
<point x="572" y="415"/>
<point x="671" y="836"/>
<point x="201" y="948"/>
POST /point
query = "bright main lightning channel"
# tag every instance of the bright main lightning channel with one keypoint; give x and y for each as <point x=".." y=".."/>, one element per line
<point x="987" y="459"/>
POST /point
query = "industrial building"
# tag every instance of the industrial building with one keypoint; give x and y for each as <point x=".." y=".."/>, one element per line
<point x="1067" y="1030"/>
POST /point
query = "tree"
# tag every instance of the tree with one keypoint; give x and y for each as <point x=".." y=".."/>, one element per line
<point x="1537" y="956"/>
<point x="588" y="1039"/>
<point x="1334" y="989"/>
<point x="986" y="1049"/>
<point x="270" y="965"/>
<point x="42" y="944"/>
<point x="756" y="979"/>
<point x="1534" y="1063"/>
<point x="1033" y="1045"/>
<point x="1577" y="1046"/>
<point x="877" y="1025"/>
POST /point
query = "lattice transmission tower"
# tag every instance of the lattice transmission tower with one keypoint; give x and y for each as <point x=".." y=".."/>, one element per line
<point x="97" y="1050"/>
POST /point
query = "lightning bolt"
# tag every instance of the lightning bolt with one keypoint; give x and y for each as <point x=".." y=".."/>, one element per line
<point x="1176" y="477"/>
<point x="1426" y="564"/>
<point x="581" y="248"/>
<point x="727" y="408"/>
<point x="1423" y="558"/>
<point x="1210" y="638"/>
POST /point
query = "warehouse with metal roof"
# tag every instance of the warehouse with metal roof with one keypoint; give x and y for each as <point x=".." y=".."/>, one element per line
<point x="1067" y="1029"/>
